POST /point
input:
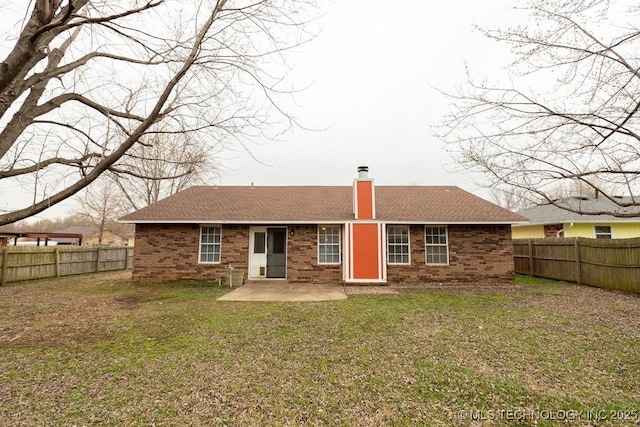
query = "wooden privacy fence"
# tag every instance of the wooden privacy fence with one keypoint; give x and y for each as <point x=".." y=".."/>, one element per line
<point x="606" y="263"/>
<point x="27" y="263"/>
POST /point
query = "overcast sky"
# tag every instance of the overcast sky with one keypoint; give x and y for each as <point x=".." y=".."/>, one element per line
<point x="374" y="74"/>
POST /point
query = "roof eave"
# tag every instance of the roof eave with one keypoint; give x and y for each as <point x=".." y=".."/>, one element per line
<point x="318" y="221"/>
<point x="580" y="221"/>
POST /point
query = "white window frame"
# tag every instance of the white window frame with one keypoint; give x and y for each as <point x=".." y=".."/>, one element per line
<point x="596" y="233"/>
<point x="214" y="244"/>
<point x="336" y="244"/>
<point x="408" y="245"/>
<point x="433" y="245"/>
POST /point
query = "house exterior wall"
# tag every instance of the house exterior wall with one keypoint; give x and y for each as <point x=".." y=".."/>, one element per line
<point x="477" y="254"/>
<point x="625" y="231"/>
<point x="302" y="257"/>
<point x="582" y="230"/>
<point x="618" y="230"/>
<point x="554" y="230"/>
<point x="108" y="238"/>
<point x="169" y="252"/>
<point x="528" y="232"/>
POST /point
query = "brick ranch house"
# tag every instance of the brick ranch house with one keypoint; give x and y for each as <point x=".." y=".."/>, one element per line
<point x="325" y="234"/>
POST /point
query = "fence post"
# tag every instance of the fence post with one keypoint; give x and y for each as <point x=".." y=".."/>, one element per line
<point x="576" y="248"/>
<point x="530" y="245"/>
<point x="56" y="253"/>
<point x="5" y="264"/>
<point x="130" y="253"/>
<point x="98" y="259"/>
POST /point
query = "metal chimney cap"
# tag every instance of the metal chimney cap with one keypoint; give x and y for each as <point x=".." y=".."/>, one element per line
<point x="363" y="172"/>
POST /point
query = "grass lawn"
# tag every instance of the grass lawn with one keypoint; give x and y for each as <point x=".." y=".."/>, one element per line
<point x="98" y="349"/>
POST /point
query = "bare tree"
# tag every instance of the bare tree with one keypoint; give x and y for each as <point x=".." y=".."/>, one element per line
<point x="517" y="198"/>
<point x="162" y="165"/>
<point x="101" y="204"/>
<point x="511" y="199"/>
<point x="569" y="112"/>
<point x="84" y="81"/>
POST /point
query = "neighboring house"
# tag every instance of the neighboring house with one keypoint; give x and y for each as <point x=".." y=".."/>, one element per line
<point x="130" y="238"/>
<point x="553" y="221"/>
<point x="91" y="236"/>
<point x="34" y="238"/>
<point x="354" y="234"/>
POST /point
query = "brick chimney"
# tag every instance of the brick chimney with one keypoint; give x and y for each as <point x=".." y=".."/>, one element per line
<point x="364" y="206"/>
<point x="364" y="259"/>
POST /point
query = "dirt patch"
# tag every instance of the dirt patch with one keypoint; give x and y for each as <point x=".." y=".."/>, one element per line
<point x="52" y="312"/>
<point x="140" y="297"/>
<point x="396" y="288"/>
<point x="369" y="290"/>
<point x="128" y="300"/>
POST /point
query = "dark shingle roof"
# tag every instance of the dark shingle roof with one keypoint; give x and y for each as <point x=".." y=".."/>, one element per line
<point x="315" y="204"/>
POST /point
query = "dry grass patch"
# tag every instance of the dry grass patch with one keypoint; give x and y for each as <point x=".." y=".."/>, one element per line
<point x="370" y="290"/>
<point x="99" y="349"/>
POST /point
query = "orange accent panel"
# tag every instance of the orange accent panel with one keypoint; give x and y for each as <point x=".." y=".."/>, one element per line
<point x="365" y="251"/>
<point x="365" y="199"/>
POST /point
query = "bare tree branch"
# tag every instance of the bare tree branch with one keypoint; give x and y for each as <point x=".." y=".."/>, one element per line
<point x="580" y="124"/>
<point x="86" y="82"/>
<point x="161" y="166"/>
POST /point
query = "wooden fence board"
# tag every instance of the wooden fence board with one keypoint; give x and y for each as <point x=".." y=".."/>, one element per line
<point x="78" y="261"/>
<point x="28" y="263"/>
<point x="606" y="263"/>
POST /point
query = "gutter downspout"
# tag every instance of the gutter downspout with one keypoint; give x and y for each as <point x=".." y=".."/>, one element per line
<point x="558" y="233"/>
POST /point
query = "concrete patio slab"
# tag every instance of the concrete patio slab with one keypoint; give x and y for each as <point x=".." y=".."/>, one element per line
<point x="281" y="290"/>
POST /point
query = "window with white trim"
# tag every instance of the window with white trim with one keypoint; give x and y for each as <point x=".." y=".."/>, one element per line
<point x="210" y="244"/>
<point x="436" y="245"/>
<point x="398" y="244"/>
<point x="603" y="232"/>
<point x="328" y="244"/>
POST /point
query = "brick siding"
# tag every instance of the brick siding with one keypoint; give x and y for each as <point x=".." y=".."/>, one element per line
<point x="551" y="230"/>
<point x="168" y="252"/>
<point x="477" y="254"/>
<point x="302" y="258"/>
